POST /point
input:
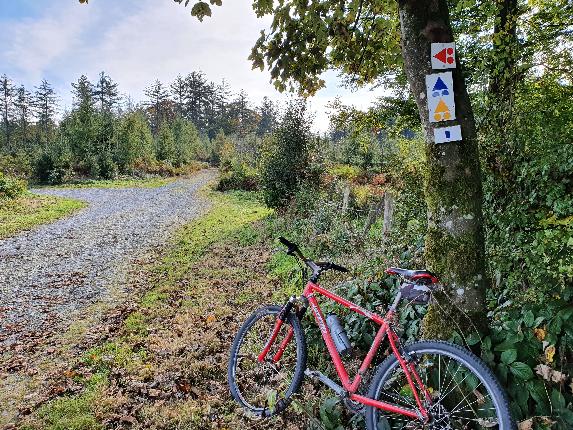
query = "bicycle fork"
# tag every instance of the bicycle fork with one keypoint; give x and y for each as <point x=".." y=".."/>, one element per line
<point x="281" y="318"/>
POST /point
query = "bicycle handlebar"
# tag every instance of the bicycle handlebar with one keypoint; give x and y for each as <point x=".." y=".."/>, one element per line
<point x="293" y="249"/>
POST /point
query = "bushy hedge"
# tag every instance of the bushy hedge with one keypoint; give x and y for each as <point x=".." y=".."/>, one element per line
<point x="239" y="177"/>
<point x="10" y="187"/>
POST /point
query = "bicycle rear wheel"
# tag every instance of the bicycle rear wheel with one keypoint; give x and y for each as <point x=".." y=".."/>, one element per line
<point x="464" y="393"/>
<point x="266" y="388"/>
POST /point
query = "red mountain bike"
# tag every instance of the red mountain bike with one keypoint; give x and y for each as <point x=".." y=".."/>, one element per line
<point x="425" y="385"/>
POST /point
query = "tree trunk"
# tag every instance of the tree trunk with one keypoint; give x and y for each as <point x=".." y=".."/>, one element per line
<point x="453" y="188"/>
<point x="505" y="48"/>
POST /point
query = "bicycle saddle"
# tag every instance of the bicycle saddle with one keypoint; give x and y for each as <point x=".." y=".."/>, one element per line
<point x="413" y="275"/>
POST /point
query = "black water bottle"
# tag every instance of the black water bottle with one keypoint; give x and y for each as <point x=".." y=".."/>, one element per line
<point x="338" y="335"/>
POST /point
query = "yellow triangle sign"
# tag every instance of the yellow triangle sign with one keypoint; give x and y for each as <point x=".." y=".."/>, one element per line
<point x="442" y="112"/>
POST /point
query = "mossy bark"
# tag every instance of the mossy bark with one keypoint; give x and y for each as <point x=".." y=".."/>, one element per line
<point x="453" y="187"/>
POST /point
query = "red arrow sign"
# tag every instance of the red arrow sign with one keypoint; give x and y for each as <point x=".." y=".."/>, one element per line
<point x="446" y="56"/>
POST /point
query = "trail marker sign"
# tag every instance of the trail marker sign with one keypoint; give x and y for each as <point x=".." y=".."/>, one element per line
<point x="443" y="55"/>
<point x="440" y="96"/>
<point x="447" y="134"/>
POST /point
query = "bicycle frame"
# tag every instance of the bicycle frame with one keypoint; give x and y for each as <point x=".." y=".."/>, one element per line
<point x="351" y="386"/>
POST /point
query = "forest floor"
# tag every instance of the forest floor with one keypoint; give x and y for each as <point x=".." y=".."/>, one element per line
<point x="157" y="361"/>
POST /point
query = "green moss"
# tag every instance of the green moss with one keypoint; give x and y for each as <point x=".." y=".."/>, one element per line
<point x="456" y="258"/>
<point x="119" y="353"/>
<point x="153" y="297"/>
<point x="31" y="210"/>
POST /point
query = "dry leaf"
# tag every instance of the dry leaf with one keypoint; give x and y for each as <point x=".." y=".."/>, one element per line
<point x="525" y="425"/>
<point x="539" y="333"/>
<point x="550" y="374"/>
<point x="211" y="319"/>
<point x="70" y="373"/>
<point x="549" y="353"/>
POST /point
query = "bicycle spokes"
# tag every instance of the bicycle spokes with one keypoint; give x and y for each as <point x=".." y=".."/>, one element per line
<point x="457" y="399"/>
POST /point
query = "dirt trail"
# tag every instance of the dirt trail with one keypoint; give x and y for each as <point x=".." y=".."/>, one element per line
<point x="49" y="275"/>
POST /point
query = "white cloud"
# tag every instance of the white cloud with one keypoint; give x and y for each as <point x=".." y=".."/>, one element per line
<point x="31" y="46"/>
<point x="138" y="42"/>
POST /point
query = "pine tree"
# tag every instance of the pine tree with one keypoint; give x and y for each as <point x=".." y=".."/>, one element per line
<point x="81" y="129"/>
<point x="196" y="98"/>
<point x="220" y="102"/>
<point x="165" y="143"/>
<point x="107" y="96"/>
<point x="23" y="113"/>
<point x="106" y="93"/>
<point x="268" y="117"/>
<point x="178" y="91"/>
<point x="286" y="159"/>
<point x="242" y="118"/>
<point x="186" y="140"/>
<point x="45" y="109"/>
<point x="157" y="95"/>
<point x="7" y="94"/>
<point x="135" y="143"/>
<point x="84" y="93"/>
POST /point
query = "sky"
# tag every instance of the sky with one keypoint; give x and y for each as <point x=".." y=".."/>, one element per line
<point x="138" y="41"/>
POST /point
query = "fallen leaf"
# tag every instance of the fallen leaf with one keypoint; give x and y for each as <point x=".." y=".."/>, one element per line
<point x="549" y="353"/>
<point x="539" y="333"/>
<point x="549" y="374"/>
<point x="152" y="392"/>
<point x="128" y="419"/>
<point x="70" y="373"/>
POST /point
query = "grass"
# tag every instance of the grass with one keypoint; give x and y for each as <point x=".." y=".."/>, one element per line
<point x="30" y="210"/>
<point x="76" y="412"/>
<point x="176" y="331"/>
<point x="164" y="365"/>
<point x="153" y="182"/>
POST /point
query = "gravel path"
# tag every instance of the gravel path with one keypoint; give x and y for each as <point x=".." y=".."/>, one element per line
<point x="50" y="274"/>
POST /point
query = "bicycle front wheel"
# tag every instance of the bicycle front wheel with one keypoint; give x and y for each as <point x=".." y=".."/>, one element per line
<point x="266" y="388"/>
<point x="463" y="393"/>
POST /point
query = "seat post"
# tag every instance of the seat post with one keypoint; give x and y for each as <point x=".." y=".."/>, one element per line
<point x="396" y="301"/>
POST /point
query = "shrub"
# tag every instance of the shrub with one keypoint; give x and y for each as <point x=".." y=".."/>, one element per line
<point x="107" y="167"/>
<point x="238" y="177"/>
<point x="286" y="156"/>
<point x="11" y="188"/>
<point x="18" y="165"/>
<point x="53" y="168"/>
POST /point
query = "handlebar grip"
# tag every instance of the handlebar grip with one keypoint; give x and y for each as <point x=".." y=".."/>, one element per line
<point x="286" y="242"/>
<point x="339" y="268"/>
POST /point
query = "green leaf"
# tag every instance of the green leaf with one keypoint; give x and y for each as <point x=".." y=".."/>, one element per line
<point x="528" y="319"/>
<point x="521" y="370"/>
<point x="201" y="10"/>
<point x="557" y="399"/>
<point x="486" y="343"/>
<point x="538" y="391"/>
<point x="508" y="356"/>
<point x="472" y="339"/>
<point x="555" y="325"/>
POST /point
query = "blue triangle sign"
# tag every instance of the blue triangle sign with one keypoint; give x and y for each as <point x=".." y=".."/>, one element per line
<point x="440" y="85"/>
